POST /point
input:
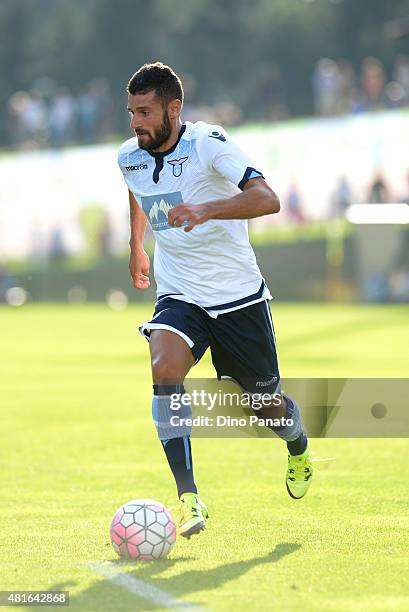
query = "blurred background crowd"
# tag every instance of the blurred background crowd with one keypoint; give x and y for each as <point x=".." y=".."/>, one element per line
<point x="338" y="89"/>
<point x="50" y="114"/>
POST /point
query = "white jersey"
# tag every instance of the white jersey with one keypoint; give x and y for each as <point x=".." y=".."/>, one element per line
<point x="213" y="265"/>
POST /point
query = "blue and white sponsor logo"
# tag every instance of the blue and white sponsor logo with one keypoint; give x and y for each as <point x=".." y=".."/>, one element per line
<point x="157" y="208"/>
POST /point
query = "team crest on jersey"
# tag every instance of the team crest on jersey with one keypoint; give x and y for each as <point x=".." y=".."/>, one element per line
<point x="157" y="208"/>
<point x="177" y="165"/>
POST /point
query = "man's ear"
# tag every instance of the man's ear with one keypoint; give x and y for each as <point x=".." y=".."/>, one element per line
<point x="174" y="108"/>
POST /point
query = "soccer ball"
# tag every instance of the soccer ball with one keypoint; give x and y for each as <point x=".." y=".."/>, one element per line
<point x="142" y="529"/>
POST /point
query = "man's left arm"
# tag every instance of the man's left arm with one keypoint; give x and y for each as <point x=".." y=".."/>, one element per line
<point x="256" y="200"/>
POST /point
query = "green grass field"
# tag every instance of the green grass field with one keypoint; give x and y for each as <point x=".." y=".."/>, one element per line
<point x="77" y="441"/>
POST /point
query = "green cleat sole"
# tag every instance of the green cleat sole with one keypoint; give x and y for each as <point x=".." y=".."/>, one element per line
<point x="293" y="496"/>
<point x="193" y="530"/>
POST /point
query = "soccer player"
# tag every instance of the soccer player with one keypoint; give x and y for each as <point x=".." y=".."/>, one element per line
<point x="197" y="189"/>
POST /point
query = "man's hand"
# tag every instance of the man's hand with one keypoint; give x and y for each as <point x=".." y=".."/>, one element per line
<point x="139" y="268"/>
<point x="194" y="214"/>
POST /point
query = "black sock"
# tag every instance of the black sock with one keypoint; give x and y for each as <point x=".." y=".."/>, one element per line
<point x="179" y="455"/>
<point x="298" y="446"/>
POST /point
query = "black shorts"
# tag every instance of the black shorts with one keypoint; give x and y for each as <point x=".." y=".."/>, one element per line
<point x="242" y="342"/>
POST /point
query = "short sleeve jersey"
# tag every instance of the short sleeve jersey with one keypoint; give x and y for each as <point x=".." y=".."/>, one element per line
<point x="213" y="265"/>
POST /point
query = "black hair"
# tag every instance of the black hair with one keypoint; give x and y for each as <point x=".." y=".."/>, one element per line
<point x="159" y="78"/>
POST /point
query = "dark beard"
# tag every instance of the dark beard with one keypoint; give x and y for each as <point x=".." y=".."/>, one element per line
<point x="160" y="136"/>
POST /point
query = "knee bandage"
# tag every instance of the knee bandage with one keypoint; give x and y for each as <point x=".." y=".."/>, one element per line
<point x="170" y="413"/>
<point x="293" y="430"/>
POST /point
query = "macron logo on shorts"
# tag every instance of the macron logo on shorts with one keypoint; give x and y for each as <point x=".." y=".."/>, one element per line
<point x="157" y="208"/>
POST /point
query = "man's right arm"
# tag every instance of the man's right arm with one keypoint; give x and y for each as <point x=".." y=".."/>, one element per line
<point x="138" y="259"/>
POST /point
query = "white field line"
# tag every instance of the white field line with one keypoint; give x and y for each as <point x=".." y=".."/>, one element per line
<point x="140" y="588"/>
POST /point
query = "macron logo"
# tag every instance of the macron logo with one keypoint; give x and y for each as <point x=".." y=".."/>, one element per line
<point x="217" y="136"/>
<point x="137" y="167"/>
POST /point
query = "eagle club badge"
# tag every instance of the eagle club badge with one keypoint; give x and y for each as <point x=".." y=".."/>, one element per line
<point x="177" y="165"/>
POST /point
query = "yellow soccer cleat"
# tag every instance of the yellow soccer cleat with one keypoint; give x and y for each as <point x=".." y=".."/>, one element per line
<point x="193" y="514"/>
<point x="299" y="474"/>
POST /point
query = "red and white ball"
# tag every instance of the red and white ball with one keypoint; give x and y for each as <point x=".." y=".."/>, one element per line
<point x="143" y="529"/>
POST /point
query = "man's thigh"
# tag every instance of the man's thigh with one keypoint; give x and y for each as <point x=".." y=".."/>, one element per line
<point x="243" y="347"/>
<point x="186" y="327"/>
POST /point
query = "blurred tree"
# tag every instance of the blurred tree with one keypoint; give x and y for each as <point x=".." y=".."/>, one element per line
<point x="93" y="222"/>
